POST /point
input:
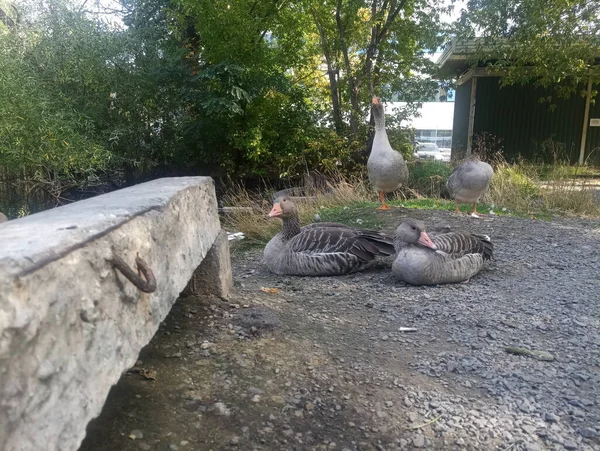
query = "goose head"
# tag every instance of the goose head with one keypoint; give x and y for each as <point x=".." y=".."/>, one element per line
<point x="412" y="231"/>
<point x="283" y="208"/>
<point x="378" y="112"/>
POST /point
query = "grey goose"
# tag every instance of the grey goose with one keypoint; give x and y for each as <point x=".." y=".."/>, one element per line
<point x="469" y="181"/>
<point x="321" y="249"/>
<point x="444" y="258"/>
<point x="386" y="168"/>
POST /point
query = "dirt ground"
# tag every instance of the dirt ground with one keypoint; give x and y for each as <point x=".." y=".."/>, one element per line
<point x="326" y="364"/>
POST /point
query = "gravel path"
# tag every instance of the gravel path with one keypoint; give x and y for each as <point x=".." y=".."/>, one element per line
<point x="324" y="364"/>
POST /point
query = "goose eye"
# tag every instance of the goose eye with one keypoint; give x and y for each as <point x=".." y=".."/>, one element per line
<point x="414" y="228"/>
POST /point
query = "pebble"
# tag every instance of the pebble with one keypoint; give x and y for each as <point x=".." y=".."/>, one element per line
<point x="550" y="417"/>
<point x="136" y="434"/>
<point x="419" y="441"/>
<point x="570" y="444"/>
<point x="222" y="409"/>
<point x="587" y="433"/>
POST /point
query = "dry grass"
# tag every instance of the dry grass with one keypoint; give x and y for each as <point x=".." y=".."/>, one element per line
<point x="520" y="189"/>
<point x="551" y="189"/>
<point x="256" y="225"/>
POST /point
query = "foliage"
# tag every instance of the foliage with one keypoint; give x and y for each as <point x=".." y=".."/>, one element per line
<point x="553" y="43"/>
<point x="42" y="133"/>
<point x="428" y="178"/>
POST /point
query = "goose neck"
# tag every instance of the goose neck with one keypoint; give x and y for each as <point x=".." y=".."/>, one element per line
<point x="291" y="227"/>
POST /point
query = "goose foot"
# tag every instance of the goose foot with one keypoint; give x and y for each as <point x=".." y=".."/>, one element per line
<point x="474" y="213"/>
<point x="383" y="206"/>
<point x="466" y="281"/>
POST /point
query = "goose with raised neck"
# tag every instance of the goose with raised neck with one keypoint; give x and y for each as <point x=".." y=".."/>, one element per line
<point x="386" y="168"/>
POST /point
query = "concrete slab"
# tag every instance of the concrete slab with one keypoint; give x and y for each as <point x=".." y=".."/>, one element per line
<point x="70" y="324"/>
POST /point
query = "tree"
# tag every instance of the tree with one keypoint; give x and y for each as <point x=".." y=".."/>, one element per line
<point x="553" y="43"/>
<point x="376" y="47"/>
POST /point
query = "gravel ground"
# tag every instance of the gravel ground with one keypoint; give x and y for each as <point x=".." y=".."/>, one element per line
<point x="323" y="363"/>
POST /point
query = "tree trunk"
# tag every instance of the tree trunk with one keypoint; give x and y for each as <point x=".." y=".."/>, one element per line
<point x="338" y="122"/>
<point x="355" y="110"/>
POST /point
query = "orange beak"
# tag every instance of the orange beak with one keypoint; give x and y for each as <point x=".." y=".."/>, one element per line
<point x="275" y="211"/>
<point x="376" y="101"/>
<point x="426" y="241"/>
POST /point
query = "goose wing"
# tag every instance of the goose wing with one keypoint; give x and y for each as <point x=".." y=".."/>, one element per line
<point x="383" y="242"/>
<point x="333" y="240"/>
<point x="459" y="244"/>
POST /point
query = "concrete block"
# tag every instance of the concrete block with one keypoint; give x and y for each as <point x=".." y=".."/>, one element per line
<point x="70" y="324"/>
<point x="213" y="276"/>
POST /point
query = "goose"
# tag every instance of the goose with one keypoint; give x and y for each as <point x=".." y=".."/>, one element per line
<point x="386" y="167"/>
<point x="323" y="248"/>
<point x="445" y="258"/>
<point x="469" y="181"/>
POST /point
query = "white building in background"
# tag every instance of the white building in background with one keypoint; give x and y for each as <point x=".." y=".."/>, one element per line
<point x="434" y="123"/>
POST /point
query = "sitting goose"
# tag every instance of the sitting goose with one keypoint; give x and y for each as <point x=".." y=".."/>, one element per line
<point x="386" y="167"/>
<point x="444" y="258"/>
<point x="321" y="249"/>
<point x="469" y="181"/>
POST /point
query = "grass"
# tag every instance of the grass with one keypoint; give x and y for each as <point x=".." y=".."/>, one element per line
<point x="522" y="190"/>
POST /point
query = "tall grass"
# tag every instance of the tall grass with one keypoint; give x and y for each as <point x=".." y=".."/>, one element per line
<point x="555" y="189"/>
<point x="520" y="189"/>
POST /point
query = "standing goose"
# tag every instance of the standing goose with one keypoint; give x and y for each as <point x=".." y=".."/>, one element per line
<point x="469" y="181"/>
<point x="387" y="169"/>
<point x="321" y="249"/>
<point x="444" y="258"/>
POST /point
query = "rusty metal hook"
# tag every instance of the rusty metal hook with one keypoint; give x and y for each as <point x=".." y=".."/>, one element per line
<point x="148" y="285"/>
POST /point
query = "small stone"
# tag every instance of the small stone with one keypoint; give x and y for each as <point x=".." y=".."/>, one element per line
<point x="434" y="404"/>
<point x="256" y="398"/>
<point x="550" y="417"/>
<point x="184" y="443"/>
<point x="173" y="447"/>
<point x="288" y="432"/>
<point x="136" y="434"/>
<point x="570" y="444"/>
<point x="412" y="417"/>
<point x="309" y="406"/>
<point x="144" y="446"/>
<point x="419" y="441"/>
<point x="532" y="446"/>
<point x="407" y="402"/>
<point x="389" y="403"/>
<point x="460" y="442"/>
<point x="529" y="429"/>
<point x="385" y="338"/>
<point x="525" y="407"/>
<point x="234" y="440"/>
<point x="332" y="445"/>
<point x="222" y="409"/>
<point x="587" y="433"/>
<point x="206" y="345"/>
